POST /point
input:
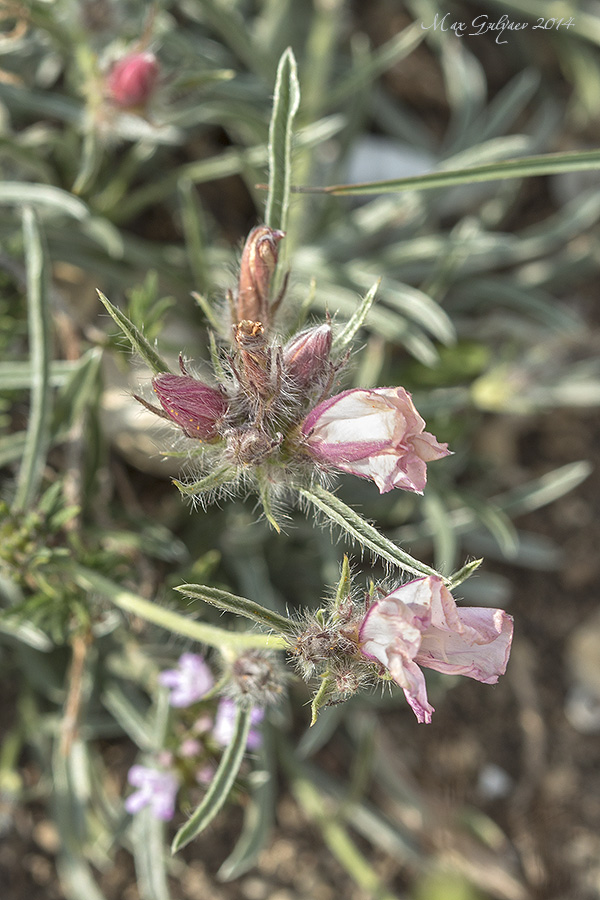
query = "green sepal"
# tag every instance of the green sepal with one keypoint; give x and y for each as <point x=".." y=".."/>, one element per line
<point x="135" y="338"/>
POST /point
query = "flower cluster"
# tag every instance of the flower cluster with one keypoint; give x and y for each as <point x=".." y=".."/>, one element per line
<point x="191" y="762"/>
<point x="269" y="414"/>
<point x="417" y="624"/>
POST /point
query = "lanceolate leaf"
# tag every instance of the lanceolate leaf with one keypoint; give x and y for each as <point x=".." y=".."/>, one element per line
<point x="238" y="605"/>
<point x="362" y="532"/>
<point x="38" y="428"/>
<point x="136" y="338"/>
<point x="173" y="621"/>
<point x="346" y="335"/>
<point x="285" y="105"/>
<point x="526" y="167"/>
<point x="220" y="785"/>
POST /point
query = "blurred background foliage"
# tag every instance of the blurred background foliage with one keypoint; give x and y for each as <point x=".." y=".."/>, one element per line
<point x="485" y="313"/>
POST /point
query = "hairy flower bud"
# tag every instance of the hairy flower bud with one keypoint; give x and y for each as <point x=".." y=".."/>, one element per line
<point x="132" y="80"/>
<point x="194" y="406"/>
<point x="259" y="259"/>
<point x="257" y="677"/>
<point x="255" y="358"/>
<point x="306" y="356"/>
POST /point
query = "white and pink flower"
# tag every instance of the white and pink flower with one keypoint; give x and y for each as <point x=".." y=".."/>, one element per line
<point x="375" y="434"/>
<point x="419" y="624"/>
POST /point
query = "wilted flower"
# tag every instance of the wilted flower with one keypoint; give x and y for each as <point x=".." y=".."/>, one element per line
<point x="225" y="719"/>
<point x="156" y="789"/>
<point x="189" y="682"/>
<point x="132" y="80"/>
<point x="375" y="434"/>
<point x="191" y="404"/>
<point x="259" y="259"/>
<point x="306" y="356"/>
<point x="419" y="624"/>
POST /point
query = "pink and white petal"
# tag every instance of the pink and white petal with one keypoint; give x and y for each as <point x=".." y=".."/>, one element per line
<point x="402" y="400"/>
<point x="408" y="675"/>
<point x="428" y="448"/>
<point x="473" y="641"/>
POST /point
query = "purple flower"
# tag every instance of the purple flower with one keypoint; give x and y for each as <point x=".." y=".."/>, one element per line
<point x="375" y="434"/>
<point x="223" y="727"/>
<point x="419" y="624"/>
<point x="191" y="404"/>
<point x="132" y="80"/>
<point x="189" y="682"/>
<point x="156" y="789"/>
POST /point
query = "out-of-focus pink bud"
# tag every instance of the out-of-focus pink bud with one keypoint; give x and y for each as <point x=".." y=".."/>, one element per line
<point x="192" y="405"/>
<point x="419" y="624"/>
<point x="132" y="80"/>
<point x="306" y="356"/>
<point x="259" y="259"/>
<point x="375" y="434"/>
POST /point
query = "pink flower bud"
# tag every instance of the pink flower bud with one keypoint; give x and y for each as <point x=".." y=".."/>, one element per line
<point x="306" y="356"/>
<point x="132" y="80"/>
<point x="375" y="434"/>
<point x="259" y="259"/>
<point x="419" y="624"/>
<point x="192" y="405"/>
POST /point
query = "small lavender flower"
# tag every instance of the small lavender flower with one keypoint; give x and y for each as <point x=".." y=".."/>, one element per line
<point x="157" y="790"/>
<point x="189" y="682"/>
<point x="223" y="727"/>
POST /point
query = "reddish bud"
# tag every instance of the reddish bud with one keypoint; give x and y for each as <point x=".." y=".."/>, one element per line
<point x="132" y="80"/>
<point x="306" y="356"/>
<point x="256" y="270"/>
<point x="192" y="405"/>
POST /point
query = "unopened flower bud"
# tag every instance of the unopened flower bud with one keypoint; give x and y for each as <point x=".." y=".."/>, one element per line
<point x="194" y="406"/>
<point x="257" y="677"/>
<point x="259" y="259"/>
<point x="132" y="80"/>
<point x="306" y="356"/>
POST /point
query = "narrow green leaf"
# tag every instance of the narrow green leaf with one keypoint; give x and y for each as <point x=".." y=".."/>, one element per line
<point x="344" y="584"/>
<point x="382" y="59"/>
<point x="238" y="605"/>
<point x="526" y="167"/>
<point x="12" y="447"/>
<point x="346" y="335"/>
<point x="135" y="337"/>
<point x="335" y="835"/>
<point x="129" y="602"/>
<point x="221" y="784"/>
<point x="148" y="839"/>
<point x="208" y="311"/>
<point x="38" y="427"/>
<point x="208" y="483"/>
<point x="194" y="232"/>
<point x="259" y="815"/>
<point x="363" y="532"/>
<point x="464" y="573"/>
<point x="133" y="723"/>
<point x="44" y="195"/>
<point x="20" y="373"/>
<point x="322" y="696"/>
<point x="285" y="105"/>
